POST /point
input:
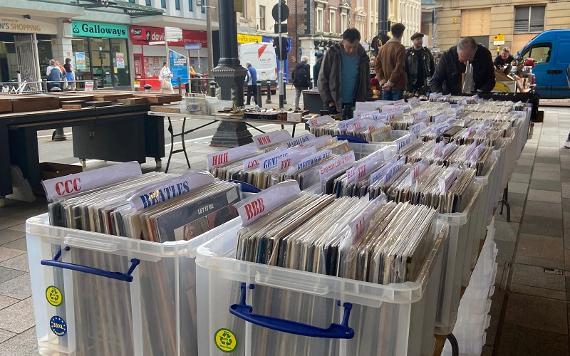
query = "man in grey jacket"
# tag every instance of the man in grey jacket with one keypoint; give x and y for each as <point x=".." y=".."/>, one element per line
<point x="345" y="75"/>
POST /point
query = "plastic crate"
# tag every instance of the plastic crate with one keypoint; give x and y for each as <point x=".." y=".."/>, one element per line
<point x="395" y="319"/>
<point x="161" y="284"/>
<point x="362" y="150"/>
<point x="465" y="230"/>
<point x="490" y="185"/>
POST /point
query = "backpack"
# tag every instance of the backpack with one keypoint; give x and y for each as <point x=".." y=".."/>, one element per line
<point x="301" y="79"/>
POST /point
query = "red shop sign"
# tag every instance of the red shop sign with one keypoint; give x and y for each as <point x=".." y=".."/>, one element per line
<point x="142" y="35"/>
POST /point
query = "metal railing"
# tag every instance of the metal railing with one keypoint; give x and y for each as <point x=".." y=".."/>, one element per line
<point x="45" y="86"/>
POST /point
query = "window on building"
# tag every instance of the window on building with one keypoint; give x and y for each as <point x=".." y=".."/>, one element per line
<point x="163" y="4"/>
<point x="332" y="21"/>
<point x="191" y="5"/>
<point x="177" y="4"/>
<point x="203" y="9"/>
<point x="529" y="19"/>
<point x="132" y="1"/>
<point x="148" y="2"/>
<point x="540" y="53"/>
<point x="343" y="23"/>
<point x="262" y="17"/>
<point x="320" y="20"/>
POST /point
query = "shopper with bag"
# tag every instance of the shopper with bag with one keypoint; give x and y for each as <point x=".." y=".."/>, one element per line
<point x="464" y="68"/>
<point x="165" y="77"/>
<point x="301" y="79"/>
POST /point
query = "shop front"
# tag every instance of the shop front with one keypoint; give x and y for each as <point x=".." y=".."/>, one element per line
<point x="101" y="53"/>
<point x="149" y="52"/>
<point x="25" y="48"/>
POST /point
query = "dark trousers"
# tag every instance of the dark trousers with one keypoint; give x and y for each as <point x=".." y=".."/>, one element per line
<point x="251" y="90"/>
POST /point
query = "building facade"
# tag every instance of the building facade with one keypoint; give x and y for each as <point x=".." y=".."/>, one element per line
<point x="517" y="21"/>
<point x="102" y="42"/>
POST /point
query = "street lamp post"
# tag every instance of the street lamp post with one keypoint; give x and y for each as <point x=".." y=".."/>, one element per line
<point x="230" y="75"/>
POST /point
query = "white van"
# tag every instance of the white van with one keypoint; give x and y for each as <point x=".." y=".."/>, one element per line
<point x="263" y="58"/>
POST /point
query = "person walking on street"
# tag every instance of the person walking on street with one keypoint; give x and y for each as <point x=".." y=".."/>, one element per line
<point x="503" y="62"/>
<point x="317" y="68"/>
<point x="419" y="65"/>
<point x="345" y="63"/>
<point x="466" y="57"/>
<point x="251" y="79"/>
<point x="390" y="65"/>
<point x="301" y="79"/>
<point x="69" y="74"/>
<point x="165" y="77"/>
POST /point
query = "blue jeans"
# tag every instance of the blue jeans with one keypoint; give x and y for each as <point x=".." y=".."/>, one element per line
<point x="392" y="95"/>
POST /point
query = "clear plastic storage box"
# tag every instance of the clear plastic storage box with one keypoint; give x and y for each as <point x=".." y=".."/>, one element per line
<point x="291" y="312"/>
<point x="465" y="231"/>
<point x="96" y="294"/>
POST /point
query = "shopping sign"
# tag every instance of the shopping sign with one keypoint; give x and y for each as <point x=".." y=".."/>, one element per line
<point x="179" y="68"/>
<point x="172" y="34"/>
<point x="499" y="40"/>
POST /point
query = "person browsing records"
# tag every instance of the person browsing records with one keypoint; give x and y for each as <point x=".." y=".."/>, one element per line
<point x="449" y="73"/>
<point x="344" y="77"/>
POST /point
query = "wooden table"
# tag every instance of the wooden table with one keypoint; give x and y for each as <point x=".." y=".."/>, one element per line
<point x="213" y="119"/>
<point x="115" y="133"/>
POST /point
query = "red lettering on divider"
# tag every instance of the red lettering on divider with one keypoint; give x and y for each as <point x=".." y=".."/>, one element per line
<point x="254" y="208"/>
<point x="264" y="140"/>
<point x="69" y="186"/>
<point x="220" y="159"/>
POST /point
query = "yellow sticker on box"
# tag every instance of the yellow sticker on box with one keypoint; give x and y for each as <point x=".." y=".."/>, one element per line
<point x="54" y="296"/>
<point x="225" y="340"/>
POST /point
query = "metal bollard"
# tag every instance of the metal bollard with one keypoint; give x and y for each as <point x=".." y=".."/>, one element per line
<point x="212" y="88"/>
<point x="44" y="85"/>
<point x="258" y="100"/>
<point x="268" y="100"/>
<point x="179" y="86"/>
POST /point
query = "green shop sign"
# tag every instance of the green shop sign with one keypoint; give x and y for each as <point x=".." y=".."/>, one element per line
<point x="97" y="29"/>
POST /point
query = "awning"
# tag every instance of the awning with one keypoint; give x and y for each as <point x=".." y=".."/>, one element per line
<point x="131" y="9"/>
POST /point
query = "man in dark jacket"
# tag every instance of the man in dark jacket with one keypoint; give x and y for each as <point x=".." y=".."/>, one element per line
<point x="419" y="65"/>
<point x="345" y="63"/>
<point x="301" y="79"/>
<point x="448" y="77"/>
<point x="317" y="68"/>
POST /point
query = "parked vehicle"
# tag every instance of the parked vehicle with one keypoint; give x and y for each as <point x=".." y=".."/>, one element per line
<point x="550" y="52"/>
<point x="263" y="58"/>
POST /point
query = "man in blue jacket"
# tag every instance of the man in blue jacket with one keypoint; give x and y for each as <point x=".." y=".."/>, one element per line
<point x="251" y="79"/>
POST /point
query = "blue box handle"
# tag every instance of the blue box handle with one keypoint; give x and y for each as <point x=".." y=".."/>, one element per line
<point x="246" y="187"/>
<point x="350" y="138"/>
<point x="334" y="331"/>
<point x="126" y="277"/>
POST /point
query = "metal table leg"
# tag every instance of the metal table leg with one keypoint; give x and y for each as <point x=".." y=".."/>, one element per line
<point x="172" y="136"/>
<point x="505" y="202"/>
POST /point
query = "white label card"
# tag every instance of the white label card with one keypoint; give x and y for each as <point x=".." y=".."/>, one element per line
<point x="271" y="138"/>
<point x="73" y="184"/>
<point x="260" y="204"/>
<point x="222" y="158"/>
<point x="169" y="189"/>
<point x="336" y="165"/>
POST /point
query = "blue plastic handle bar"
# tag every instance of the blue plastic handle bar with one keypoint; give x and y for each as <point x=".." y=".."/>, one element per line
<point x="351" y="138"/>
<point x="246" y="187"/>
<point x="334" y="331"/>
<point x="126" y="277"/>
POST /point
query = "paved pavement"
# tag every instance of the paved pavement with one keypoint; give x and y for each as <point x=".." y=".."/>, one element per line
<point x="530" y="314"/>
